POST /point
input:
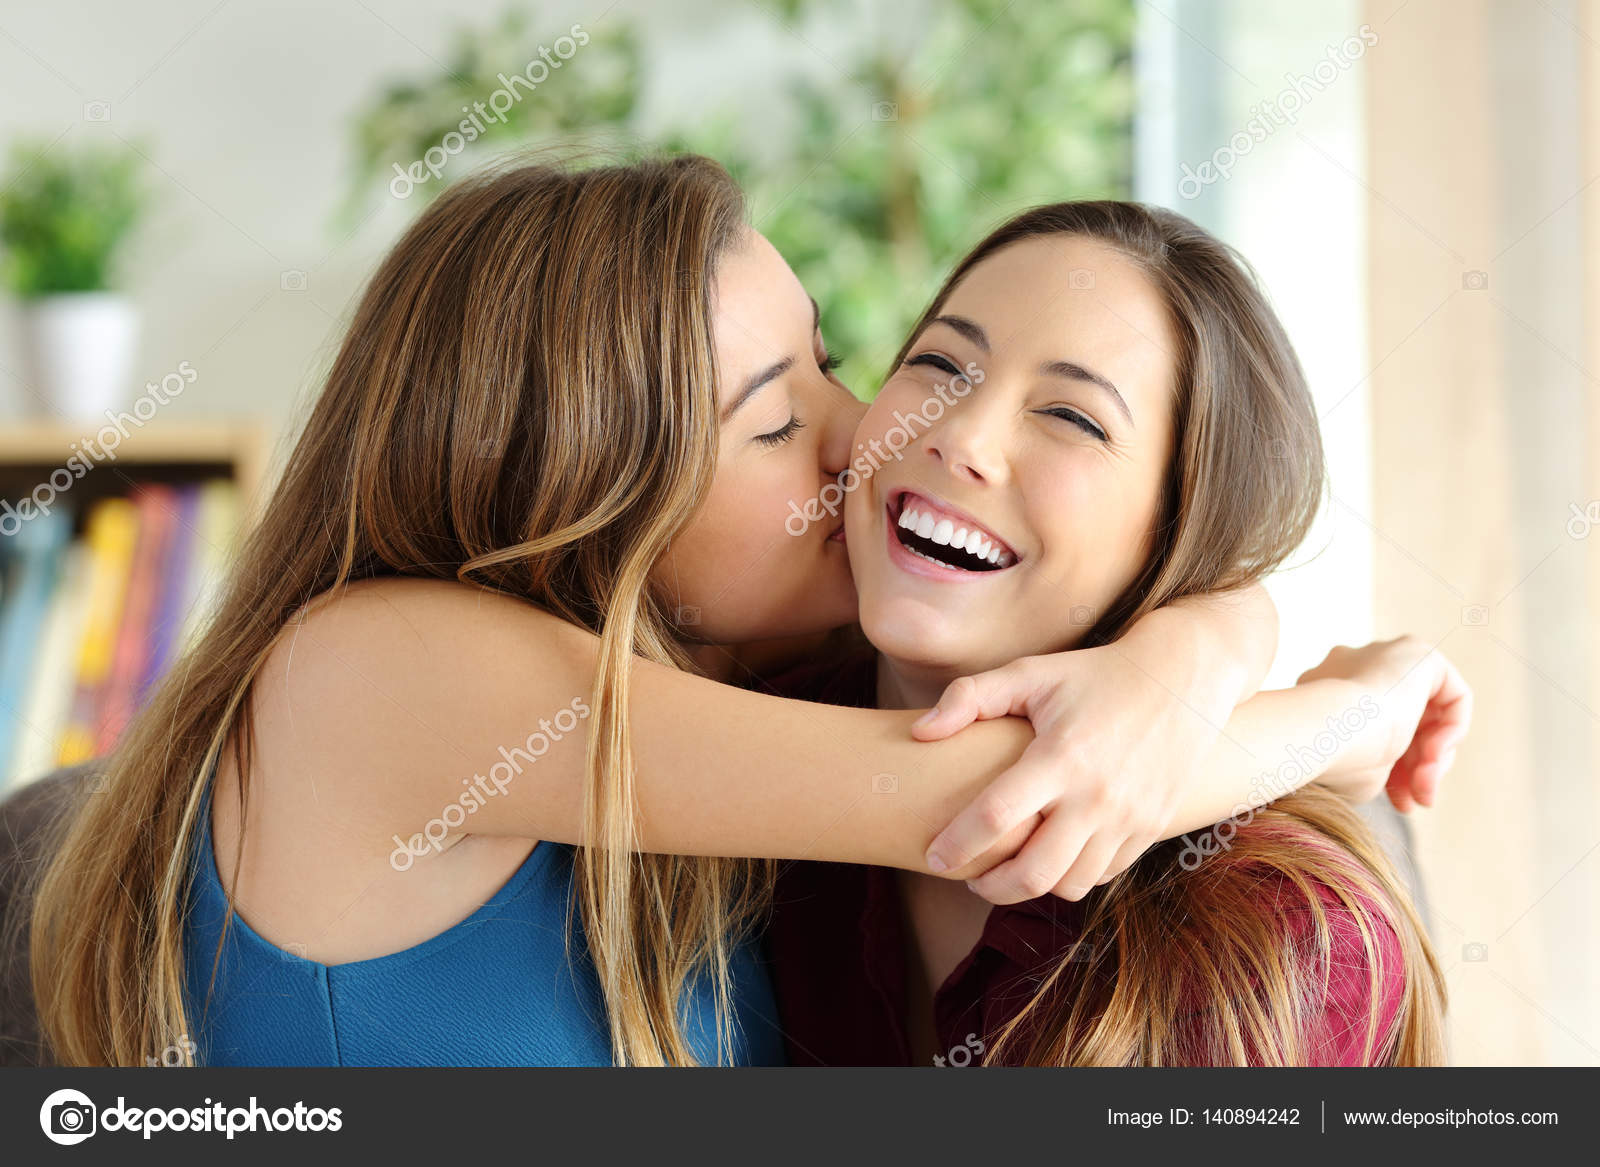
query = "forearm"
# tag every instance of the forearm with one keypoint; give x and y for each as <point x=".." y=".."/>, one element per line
<point x="1275" y="743"/>
<point x="1212" y="650"/>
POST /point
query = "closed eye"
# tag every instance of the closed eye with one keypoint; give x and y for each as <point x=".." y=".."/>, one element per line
<point x="783" y="433"/>
<point x="934" y="360"/>
<point x="1077" y="419"/>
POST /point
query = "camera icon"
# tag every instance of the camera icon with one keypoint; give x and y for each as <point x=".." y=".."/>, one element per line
<point x="97" y="111"/>
<point x="1475" y="281"/>
<point x="1081" y="615"/>
<point x="1277" y="449"/>
<point x="885" y="784"/>
<point x="885" y="111"/>
<point x="67" y="1117"/>
<point x="688" y="615"/>
<point x="1583" y="521"/>
<point x="97" y="784"/>
<point x="1080" y="279"/>
<point x="292" y="280"/>
<point x="1476" y="952"/>
<point x="1081" y="953"/>
<point x="1475" y="615"/>
<point x="293" y="949"/>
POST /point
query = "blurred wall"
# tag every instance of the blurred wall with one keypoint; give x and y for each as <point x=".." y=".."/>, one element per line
<point x="1482" y="171"/>
<point x="1425" y="224"/>
<point x="1294" y="204"/>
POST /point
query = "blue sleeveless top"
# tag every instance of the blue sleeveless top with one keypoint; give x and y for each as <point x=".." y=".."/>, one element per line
<point x="496" y="989"/>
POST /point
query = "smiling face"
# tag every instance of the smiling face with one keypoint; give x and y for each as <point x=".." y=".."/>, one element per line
<point x="736" y="573"/>
<point x="1026" y="505"/>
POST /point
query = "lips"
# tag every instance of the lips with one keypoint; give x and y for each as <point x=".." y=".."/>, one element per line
<point x="945" y="537"/>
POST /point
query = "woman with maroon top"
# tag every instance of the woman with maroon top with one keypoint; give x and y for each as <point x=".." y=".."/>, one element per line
<point x="1130" y="426"/>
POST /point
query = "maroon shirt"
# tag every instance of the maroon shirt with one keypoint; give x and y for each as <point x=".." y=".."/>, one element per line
<point x="838" y="936"/>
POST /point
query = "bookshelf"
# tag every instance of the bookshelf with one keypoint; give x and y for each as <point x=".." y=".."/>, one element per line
<point x="166" y="452"/>
<point x="106" y="571"/>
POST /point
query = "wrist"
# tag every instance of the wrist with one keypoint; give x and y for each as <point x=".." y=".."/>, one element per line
<point x="1183" y="655"/>
<point x="1356" y="723"/>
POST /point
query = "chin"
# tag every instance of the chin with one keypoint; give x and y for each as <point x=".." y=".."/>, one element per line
<point x="911" y="634"/>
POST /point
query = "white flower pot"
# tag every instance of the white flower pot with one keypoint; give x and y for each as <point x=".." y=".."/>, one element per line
<point x="79" y="349"/>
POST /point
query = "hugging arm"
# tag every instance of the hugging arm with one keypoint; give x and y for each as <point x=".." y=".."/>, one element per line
<point x="1148" y="728"/>
<point x="405" y="695"/>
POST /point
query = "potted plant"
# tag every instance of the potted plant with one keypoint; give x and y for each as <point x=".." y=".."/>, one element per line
<point x="64" y="220"/>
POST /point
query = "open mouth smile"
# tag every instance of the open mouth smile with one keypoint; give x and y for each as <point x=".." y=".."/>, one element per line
<point x="947" y="541"/>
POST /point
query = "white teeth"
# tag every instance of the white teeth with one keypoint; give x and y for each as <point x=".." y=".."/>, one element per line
<point x="944" y="532"/>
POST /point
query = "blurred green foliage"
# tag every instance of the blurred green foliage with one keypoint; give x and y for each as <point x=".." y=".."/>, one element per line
<point x="934" y="122"/>
<point x="65" y="215"/>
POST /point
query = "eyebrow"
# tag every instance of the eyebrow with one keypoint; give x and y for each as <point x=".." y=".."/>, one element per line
<point x="1077" y="372"/>
<point x="974" y="332"/>
<point x="758" y="381"/>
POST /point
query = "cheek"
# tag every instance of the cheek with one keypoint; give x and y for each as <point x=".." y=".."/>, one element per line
<point x="1098" y="518"/>
<point x="739" y="515"/>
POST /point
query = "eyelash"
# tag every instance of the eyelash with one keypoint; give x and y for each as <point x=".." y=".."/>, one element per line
<point x="1078" y="420"/>
<point x="784" y="434"/>
<point x="1072" y="415"/>
<point x="794" y="425"/>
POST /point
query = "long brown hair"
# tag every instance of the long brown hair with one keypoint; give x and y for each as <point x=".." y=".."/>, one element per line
<point x="525" y="401"/>
<point x="1244" y="485"/>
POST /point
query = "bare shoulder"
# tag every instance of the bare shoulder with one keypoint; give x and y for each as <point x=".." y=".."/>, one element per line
<point x="369" y="706"/>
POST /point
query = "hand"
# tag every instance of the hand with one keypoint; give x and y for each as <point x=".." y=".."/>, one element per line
<point x="1424" y="708"/>
<point x="1113" y="746"/>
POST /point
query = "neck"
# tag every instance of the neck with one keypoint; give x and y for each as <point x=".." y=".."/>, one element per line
<point x="946" y="919"/>
<point x="903" y="685"/>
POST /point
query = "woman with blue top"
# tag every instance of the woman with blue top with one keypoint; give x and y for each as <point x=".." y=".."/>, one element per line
<point x="469" y="767"/>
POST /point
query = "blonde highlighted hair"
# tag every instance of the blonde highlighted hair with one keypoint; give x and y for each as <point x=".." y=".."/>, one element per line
<point x="525" y="401"/>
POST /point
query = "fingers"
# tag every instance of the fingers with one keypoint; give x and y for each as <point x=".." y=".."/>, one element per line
<point x="996" y="693"/>
<point x="1012" y="798"/>
<point x="1009" y="846"/>
<point x="1131" y="849"/>
<point x="1039" y="866"/>
<point x="1451" y="702"/>
<point x="1089" y="869"/>
<point x="1399" y="789"/>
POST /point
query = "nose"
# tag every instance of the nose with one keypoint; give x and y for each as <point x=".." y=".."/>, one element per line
<point x="967" y="440"/>
<point x="841" y="414"/>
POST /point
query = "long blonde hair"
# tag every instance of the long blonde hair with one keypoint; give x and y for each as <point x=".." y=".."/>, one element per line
<point x="525" y="401"/>
<point x="1244" y="486"/>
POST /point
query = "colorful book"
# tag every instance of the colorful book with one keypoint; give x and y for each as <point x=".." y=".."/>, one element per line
<point x="157" y="511"/>
<point x="216" y="530"/>
<point x="35" y="552"/>
<point x="168" y="623"/>
<point x="113" y="529"/>
<point x="49" y="702"/>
